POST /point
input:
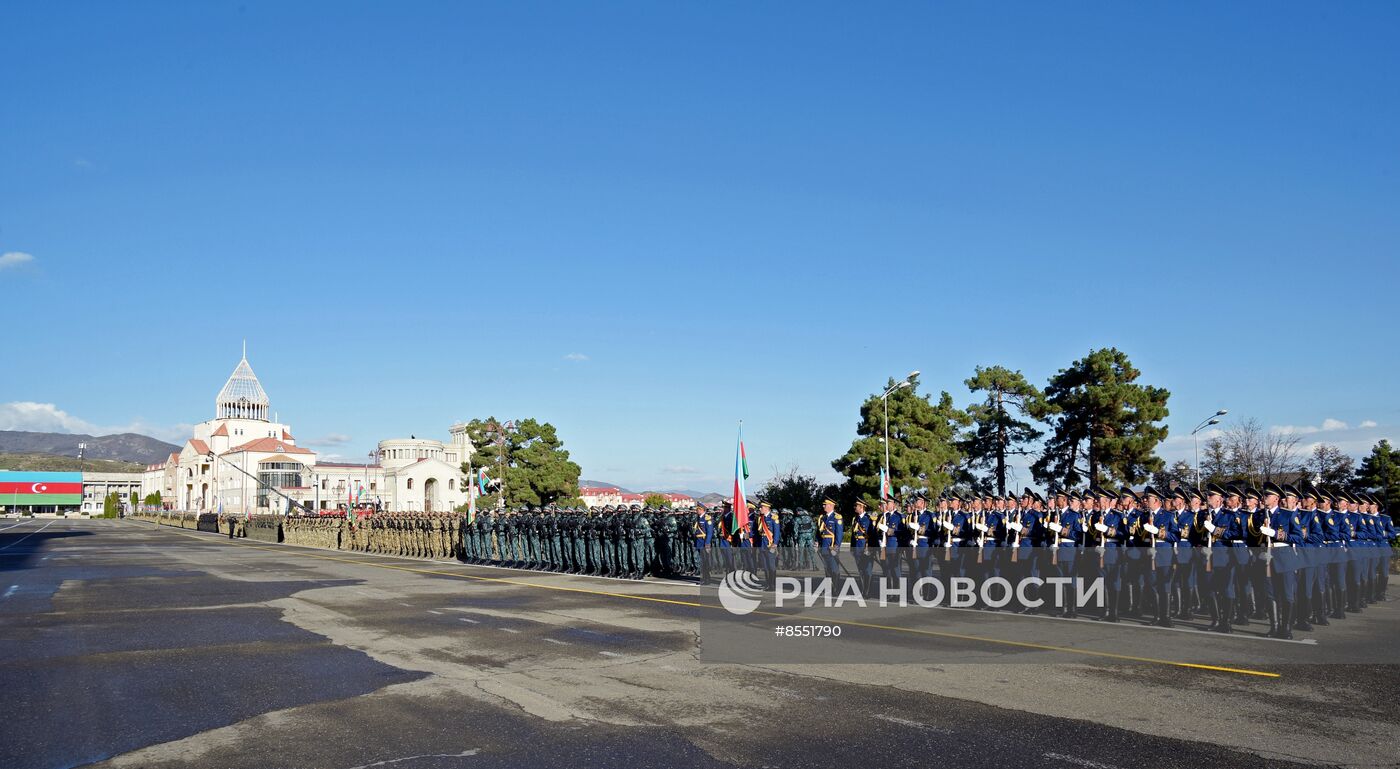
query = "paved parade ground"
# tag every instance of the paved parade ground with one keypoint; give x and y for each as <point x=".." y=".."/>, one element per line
<point x="126" y="644"/>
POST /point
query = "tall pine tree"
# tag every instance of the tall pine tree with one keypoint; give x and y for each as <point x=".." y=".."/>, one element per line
<point x="1106" y="424"/>
<point x="923" y="444"/>
<point x="1380" y="473"/>
<point x="528" y="457"/>
<point x="998" y="429"/>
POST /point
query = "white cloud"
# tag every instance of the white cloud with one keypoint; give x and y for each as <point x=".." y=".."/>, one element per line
<point x="680" y="470"/>
<point x="40" y="418"/>
<point x="576" y="356"/>
<point x="49" y="418"/>
<point x="329" y="439"/>
<point x="1367" y="424"/>
<point x="1329" y="425"/>
<point x="82" y="163"/>
<point x="14" y="259"/>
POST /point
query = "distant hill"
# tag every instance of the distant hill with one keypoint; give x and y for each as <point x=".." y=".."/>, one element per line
<point x="692" y="493"/>
<point x="57" y="464"/>
<point x="605" y="484"/>
<point x="123" y="447"/>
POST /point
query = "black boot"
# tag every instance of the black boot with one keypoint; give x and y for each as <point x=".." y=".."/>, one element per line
<point x="1335" y="591"/>
<point x="1111" y="612"/>
<point x="1300" y="615"/>
<point x="1212" y="605"/>
<point x="1285" y="622"/>
<point x="1164" y="614"/>
<point x="1319" y="614"/>
<point x="1273" y="620"/>
<point x="1227" y="607"/>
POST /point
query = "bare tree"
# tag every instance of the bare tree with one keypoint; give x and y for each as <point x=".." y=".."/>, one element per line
<point x="1279" y="457"/>
<point x="1329" y="465"/>
<point x="1244" y="445"/>
<point x="1250" y="452"/>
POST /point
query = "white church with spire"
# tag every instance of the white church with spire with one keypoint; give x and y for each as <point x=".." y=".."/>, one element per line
<point x="233" y="461"/>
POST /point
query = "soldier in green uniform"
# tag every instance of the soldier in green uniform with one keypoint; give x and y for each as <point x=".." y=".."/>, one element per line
<point x="803" y="538"/>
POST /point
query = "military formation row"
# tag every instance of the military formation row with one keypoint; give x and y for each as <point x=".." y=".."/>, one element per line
<point x="1292" y="556"/>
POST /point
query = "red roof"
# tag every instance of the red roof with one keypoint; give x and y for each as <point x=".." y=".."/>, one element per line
<point x="223" y="430"/>
<point x="597" y="491"/>
<point x="286" y="436"/>
<point x="200" y="447"/>
<point x="270" y="445"/>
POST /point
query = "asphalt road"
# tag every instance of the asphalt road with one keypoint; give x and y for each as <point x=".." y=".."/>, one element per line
<point x="124" y="644"/>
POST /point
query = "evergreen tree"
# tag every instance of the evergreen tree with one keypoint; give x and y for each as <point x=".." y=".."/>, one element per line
<point x="1380" y="474"/>
<point x="528" y="458"/>
<point x="998" y="429"/>
<point x="1105" y="424"/>
<point x="793" y="490"/>
<point x="923" y="444"/>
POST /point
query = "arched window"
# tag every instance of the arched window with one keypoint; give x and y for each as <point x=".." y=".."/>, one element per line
<point x="410" y="483"/>
<point x="451" y="484"/>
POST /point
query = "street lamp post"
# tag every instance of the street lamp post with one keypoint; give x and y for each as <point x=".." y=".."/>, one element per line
<point x="908" y="381"/>
<point x="1196" y="442"/>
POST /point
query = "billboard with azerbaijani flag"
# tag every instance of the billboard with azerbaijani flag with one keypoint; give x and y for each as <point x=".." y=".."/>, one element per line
<point x="37" y="488"/>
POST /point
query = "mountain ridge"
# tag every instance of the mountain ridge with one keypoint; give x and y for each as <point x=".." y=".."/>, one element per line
<point x="123" y="447"/>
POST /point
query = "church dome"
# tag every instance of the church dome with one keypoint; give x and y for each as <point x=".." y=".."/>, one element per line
<point x="242" y="396"/>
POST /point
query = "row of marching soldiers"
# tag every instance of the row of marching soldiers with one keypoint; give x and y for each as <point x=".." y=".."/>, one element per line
<point x="614" y="541"/>
<point x="1291" y="556"/>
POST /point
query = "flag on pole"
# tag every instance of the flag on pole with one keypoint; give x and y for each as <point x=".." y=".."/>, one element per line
<point x="482" y="481"/>
<point x="471" y="506"/>
<point x="886" y="492"/>
<point x="741" y="473"/>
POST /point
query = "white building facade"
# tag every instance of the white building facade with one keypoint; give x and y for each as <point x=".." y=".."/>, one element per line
<point x="240" y="460"/>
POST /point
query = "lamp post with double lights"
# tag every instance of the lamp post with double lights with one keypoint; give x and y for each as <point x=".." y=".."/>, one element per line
<point x="1213" y="419"/>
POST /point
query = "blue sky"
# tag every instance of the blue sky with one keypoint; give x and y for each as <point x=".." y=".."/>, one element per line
<point x="643" y="222"/>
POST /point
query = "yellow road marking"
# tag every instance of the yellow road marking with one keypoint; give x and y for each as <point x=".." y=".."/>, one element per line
<point x="869" y="625"/>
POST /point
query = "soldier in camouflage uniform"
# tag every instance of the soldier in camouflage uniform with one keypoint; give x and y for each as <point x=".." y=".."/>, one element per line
<point x="804" y="530"/>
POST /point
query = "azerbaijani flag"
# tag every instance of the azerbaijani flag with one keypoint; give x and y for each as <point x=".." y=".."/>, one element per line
<point x="885" y="490"/>
<point x="481" y="480"/>
<point x="741" y="473"/>
<point x="38" y="488"/>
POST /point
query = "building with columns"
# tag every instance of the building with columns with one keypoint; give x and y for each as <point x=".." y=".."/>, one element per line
<point x="238" y="461"/>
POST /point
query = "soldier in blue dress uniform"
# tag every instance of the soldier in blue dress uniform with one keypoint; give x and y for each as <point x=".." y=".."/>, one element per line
<point x="830" y="533"/>
<point x="861" y="547"/>
<point x="1287" y="534"/>
<point x="1159" y="524"/>
<point x="1110" y="534"/>
<point x="764" y="534"/>
<point x="1189" y="504"/>
<point x="923" y="526"/>
<point x="1259" y="570"/>
<point x="704" y="542"/>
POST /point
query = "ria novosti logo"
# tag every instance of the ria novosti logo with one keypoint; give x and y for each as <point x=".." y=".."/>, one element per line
<point x="740" y="592"/>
